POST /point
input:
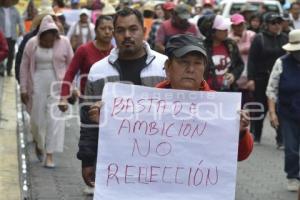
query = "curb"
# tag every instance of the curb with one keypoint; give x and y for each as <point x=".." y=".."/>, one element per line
<point x="22" y="132"/>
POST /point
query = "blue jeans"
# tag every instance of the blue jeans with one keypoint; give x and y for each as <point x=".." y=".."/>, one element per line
<point x="290" y="130"/>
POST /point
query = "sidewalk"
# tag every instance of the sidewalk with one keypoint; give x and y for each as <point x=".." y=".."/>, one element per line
<point x="9" y="167"/>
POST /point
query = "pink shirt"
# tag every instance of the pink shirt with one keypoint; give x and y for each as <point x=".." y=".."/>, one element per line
<point x="244" y="43"/>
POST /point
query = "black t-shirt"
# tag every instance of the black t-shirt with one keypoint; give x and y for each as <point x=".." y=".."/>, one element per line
<point x="131" y="69"/>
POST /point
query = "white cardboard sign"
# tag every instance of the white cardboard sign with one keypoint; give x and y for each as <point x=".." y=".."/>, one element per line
<point x="165" y="144"/>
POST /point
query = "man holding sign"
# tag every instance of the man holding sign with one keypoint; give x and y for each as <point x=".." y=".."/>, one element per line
<point x="132" y="61"/>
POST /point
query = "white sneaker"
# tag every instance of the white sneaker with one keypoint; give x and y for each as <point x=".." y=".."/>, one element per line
<point x="293" y="185"/>
<point x="88" y="190"/>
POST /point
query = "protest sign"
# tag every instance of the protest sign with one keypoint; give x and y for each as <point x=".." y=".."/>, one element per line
<point x="167" y="144"/>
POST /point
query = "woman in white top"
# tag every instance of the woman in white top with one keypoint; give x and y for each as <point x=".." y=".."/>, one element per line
<point x="44" y="62"/>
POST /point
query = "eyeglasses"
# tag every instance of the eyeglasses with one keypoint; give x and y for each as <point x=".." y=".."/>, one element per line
<point x="275" y="22"/>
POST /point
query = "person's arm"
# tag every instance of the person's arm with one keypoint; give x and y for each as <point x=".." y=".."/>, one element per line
<point x="74" y="64"/>
<point x="25" y="73"/>
<point x="272" y="113"/>
<point x="70" y="52"/>
<point x="245" y="146"/>
<point x="237" y="65"/>
<point x="19" y="59"/>
<point x="245" y="137"/>
<point x="272" y="92"/>
<point x="19" y="55"/>
<point x="254" y="55"/>
<point x="3" y="47"/>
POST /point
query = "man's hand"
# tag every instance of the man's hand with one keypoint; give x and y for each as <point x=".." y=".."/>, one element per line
<point x="76" y="93"/>
<point x="251" y="85"/>
<point x="88" y="175"/>
<point x="244" y="122"/>
<point x="274" y="120"/>
<point x="24" y="98"/>
<point x="63" y="105"/>
<point x="230" y="78"/>
<point x="94" y="112"/>
<point x="74" y="96"/>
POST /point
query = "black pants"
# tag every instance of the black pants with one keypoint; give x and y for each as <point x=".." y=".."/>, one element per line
<point x="261" y="98"/>
<point x="11" y="54"/>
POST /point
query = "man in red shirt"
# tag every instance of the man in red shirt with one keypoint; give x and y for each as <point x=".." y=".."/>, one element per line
<point x="177" y="24"/>
<point x="85" y="56"/>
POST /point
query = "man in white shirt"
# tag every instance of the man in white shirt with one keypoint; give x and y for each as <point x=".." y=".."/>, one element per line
<point x="82" y="31"/>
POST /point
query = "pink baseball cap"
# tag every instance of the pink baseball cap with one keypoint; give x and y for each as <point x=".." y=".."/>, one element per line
<point x="221" y="23"/>
<point x="169" y="5"/>
<point x="237" y="19"/>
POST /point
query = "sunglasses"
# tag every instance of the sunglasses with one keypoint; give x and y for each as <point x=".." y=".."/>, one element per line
<point x="275" y="22"/>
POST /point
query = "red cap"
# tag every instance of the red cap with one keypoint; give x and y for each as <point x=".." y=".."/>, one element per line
<point x="169" y="6"/>
<point x="209" y="2"/>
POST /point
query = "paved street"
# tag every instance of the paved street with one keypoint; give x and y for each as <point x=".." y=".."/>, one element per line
<point x="261" y="177"/>
<point x="64" y="182"/>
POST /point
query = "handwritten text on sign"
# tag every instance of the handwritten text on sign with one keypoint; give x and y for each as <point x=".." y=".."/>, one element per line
<point x="166" y="144"/>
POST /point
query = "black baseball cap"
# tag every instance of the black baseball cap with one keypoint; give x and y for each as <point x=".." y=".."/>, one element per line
<point x="271" y="16"/>
<point x="181" y="44"/>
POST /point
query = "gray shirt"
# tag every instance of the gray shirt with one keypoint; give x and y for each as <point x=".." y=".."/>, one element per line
<point x="15" y="20"/>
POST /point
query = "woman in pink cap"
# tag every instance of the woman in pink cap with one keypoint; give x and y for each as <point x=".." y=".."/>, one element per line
<point x="225" y="63"/>
<point x="243" y="39"/>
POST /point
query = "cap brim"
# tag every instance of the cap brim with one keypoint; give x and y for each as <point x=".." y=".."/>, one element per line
<point x="276" y="18"/>
<point x="238" y="22"/>
<point x="186" y="49"/>
<point x="291" y="47"/>
<point x="223" y="27"/>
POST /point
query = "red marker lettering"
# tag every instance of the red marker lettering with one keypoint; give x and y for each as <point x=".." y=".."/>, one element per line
<point x="125" y="126"/>
<point x="128" y="175"/>
<point x="118" y="106"/>
<point x="112" y="171"/>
